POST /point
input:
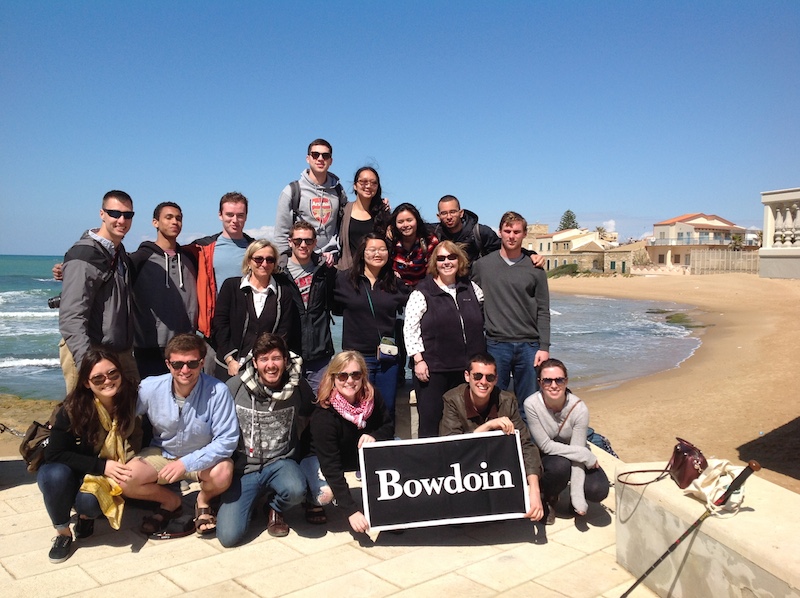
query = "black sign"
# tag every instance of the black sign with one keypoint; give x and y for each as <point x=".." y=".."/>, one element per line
<point x="436" y="481"/>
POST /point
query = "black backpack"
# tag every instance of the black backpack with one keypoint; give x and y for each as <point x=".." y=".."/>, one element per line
<point x="294" y="188"/>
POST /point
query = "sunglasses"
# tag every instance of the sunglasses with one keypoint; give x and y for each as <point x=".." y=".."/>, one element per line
<point x="325" y="155"/>
<point x="178" y="365"/>
<point x="450" y="257"/>
<point x="549" y="381"/>
<point x="343" y="376"/>
<point x="477" y="376"/>
<point x="260" y="260"/>
<point x="299" y="242"/>
<point x="112" y="375"/>
<point x="119" y="214"/>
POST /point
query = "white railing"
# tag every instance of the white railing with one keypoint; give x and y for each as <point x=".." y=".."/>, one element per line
<point x="781" y="219"/>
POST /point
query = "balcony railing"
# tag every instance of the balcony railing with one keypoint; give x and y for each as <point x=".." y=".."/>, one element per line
<point x="690" y="241"/>
<point x="781" y="219"/>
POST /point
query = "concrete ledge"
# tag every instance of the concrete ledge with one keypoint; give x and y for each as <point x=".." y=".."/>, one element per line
<point x="755" y="553"/>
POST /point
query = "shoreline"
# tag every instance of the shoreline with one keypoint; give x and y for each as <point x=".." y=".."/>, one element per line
<point x="729" y="397"/>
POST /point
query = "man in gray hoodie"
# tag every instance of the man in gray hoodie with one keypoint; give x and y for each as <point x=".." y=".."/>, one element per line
<point x="95" y="300"/>
<point x="317" y="197"/>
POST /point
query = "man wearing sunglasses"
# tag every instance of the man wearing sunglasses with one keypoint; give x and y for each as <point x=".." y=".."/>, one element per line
<point x="195" y="432"/>
<point x="479" y="406"/>
<point x="95" y="299"/>
<point x="317" y="197"/>
<point x="273" y="404"/>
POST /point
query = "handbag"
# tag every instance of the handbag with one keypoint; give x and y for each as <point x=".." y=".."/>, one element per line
<point x="684" y="467"/>
<point x="35" y="441"/>
<point x="712" y="483"/>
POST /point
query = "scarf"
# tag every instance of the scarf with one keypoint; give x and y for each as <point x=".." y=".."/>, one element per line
<point x="106" y="490"/>
<point x="357" y="414"/>
<point x="253" y="384"/>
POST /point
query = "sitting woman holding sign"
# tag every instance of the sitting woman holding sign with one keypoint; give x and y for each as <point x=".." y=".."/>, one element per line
<point x="558" y="421"/>
<point x="350" y="413"/>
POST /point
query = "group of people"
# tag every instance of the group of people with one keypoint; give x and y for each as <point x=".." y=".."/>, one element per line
<point x="229" y="341"/>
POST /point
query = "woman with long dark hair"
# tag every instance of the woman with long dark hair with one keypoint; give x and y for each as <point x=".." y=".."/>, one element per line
<point x="413" y="243"/>
<point x="369" y="213"/>
<point x="95" y="434"/>
<point x="369" y="296"/>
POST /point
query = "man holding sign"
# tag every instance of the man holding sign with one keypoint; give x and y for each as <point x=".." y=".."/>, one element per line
<point x="478" y="406"/>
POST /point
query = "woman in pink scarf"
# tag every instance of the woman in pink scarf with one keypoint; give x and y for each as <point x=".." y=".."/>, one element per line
<point x="350" y="413"/>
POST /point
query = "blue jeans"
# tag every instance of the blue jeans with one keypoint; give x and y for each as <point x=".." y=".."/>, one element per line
<point x="314" y="478"/>
<point x="383" y="375"/>
<point x="515" y="359"/>
<point x="282" y="477"/>
<point x="60" y="486"/>
<point x="313" y="370"/>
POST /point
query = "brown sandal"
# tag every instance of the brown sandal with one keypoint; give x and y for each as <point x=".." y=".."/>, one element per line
<point x="204" y="516"/>
<point x="315" y="514"/>
<point x="157" y="522"/>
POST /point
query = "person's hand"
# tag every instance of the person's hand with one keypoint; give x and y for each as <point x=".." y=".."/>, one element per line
<point x="536" y="512"/>
<point x="365" y="438"/>
<point x="540" y="357"/>
<point x="328" y="257"/>
<point x="119" y="472"/>
<point x="358" y="522"/>
<point x="233" y="368"/>
<point x="58" y="271"/>
<point x="537" y="260"/>
<point x="499" y="423"/>
<point x="172" y="471"/>
<point x="421" y="371"/>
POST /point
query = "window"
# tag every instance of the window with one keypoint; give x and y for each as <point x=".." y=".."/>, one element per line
<point x="662" y="235"/>
<point x="676" y="258"/>
<point x="613" y="265"/>
<point x="548" y="247"/>
<point x="541" y="246"/>
<point x="661" y="258"/>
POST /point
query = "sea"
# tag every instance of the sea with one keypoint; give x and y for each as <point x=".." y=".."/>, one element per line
<point x="602" y="341"/>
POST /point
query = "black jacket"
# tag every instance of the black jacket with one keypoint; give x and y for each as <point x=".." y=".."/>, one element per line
<point x="475" y="245"/>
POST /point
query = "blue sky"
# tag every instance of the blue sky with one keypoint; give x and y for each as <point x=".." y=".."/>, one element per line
<point x="627" y="113"/>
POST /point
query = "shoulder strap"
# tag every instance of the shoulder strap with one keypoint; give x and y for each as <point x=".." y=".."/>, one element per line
<point x="294" y="194"/>
<point x="478" y="239"/>
<point x="662" y="473"/>
<point x="566" y="418"/>
<point x="342" y="200"/>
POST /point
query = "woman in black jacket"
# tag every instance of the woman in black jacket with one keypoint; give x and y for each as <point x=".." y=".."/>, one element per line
<point x="260" y="301"/>
<point x="95" y="434"/>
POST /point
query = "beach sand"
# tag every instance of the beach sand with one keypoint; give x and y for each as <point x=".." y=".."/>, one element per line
<point x="736" y="398"/>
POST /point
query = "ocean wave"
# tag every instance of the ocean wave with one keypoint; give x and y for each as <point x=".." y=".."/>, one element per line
<point x="13" y="362"/>
<point x="29" y="315"/>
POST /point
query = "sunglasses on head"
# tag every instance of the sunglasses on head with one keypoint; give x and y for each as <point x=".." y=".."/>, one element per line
<point x="119" y="213"/>
<point x="112" y="375"/>
<point x="325" y="155"/>
<point x="478" y="376"/>
<point x="178" y="365"/>
<point x="343" y="376"/>
<point x="260" y="260"/>
<point x="450" y="256"/>
<point x="298" y="242"/>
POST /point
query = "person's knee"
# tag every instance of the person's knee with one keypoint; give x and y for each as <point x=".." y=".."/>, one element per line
<point x="86" y="504"/>
<point x="230" y="530"/>
<point x="54" y="476"/>
<point x="221" y="474"/>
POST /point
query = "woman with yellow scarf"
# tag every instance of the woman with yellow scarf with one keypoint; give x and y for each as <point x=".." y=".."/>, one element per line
<point x="90" y="444"/>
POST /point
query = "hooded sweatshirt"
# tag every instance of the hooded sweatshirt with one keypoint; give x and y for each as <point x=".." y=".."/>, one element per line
<point x="164" y="294"/>
<point x="319" y="205"/>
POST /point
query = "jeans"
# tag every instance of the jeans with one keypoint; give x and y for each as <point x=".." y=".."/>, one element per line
<point x="282" y="477"/>
<point x="383" y="375"/>
<point x="315" y="480"/>
<point x="515" y="359"/>
<point x="429" y="400"/>
<point x="313" y="370"/>
<point x="60" y="486"/>
<point x="557" y="471"/>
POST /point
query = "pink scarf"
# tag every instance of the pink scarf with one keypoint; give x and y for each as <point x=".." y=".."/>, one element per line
<point x="357" y="414"/>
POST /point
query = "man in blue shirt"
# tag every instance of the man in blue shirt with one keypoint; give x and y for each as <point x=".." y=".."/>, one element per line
<point x="195" y="431"/>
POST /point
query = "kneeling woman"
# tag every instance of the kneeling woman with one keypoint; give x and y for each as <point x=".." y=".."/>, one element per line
<point x="90" y="444"/>
<point x="350" y="413"/>
<point x="558" y="421"/>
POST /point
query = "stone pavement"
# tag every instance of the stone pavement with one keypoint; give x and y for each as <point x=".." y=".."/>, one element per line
<point x="512" y="558"/>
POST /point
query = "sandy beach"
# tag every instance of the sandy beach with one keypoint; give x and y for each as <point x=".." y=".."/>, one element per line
<point x="735" y="398"/>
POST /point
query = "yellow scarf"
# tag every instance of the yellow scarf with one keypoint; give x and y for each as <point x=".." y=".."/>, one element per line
<point x="107" y="491"/>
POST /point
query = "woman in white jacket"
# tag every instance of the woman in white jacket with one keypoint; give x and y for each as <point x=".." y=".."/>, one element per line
<point x="558" y="422"/>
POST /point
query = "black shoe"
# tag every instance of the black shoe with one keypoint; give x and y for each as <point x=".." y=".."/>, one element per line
<point x="61" y="549"/>
<point x="84" y="528"/>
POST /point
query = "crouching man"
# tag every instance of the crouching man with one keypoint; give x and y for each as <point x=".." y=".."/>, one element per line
<point x="479" y="406"/>
<point x="195" y="432"/>
<point x="273" y="404"/>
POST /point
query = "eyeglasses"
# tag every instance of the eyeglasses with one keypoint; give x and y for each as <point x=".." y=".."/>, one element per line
<point x="549" y="381"/>
<point x="325" y="155"/>
<point x="478" y="376"/>
<point x="366" y="183"/>
<point x="376" y="251"/>
<point x="450" y="256"/>
<point x="112" y="375"/>
<point x="178" y="365"/>
<point x="298" y="242"/>
<point x="260" y="260"/>
<point x="343" y="376"/>
<point x="449" y="213"/>
<point x="119" y="214"/>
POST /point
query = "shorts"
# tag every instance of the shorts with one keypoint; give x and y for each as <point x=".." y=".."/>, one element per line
<point x="153" y="456"/>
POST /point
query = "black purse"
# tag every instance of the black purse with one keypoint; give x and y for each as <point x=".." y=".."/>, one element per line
<point x="35" y="440"/>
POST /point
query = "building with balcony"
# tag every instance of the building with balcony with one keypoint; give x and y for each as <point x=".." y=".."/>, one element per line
<point x="779" y="256"/>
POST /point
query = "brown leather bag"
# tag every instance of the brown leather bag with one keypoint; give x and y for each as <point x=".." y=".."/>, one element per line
<point x="685" y="466"/>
